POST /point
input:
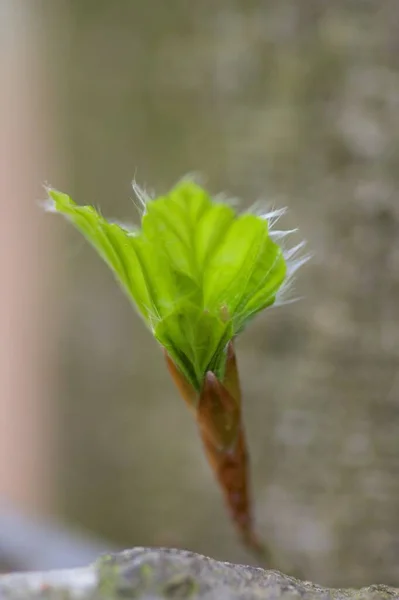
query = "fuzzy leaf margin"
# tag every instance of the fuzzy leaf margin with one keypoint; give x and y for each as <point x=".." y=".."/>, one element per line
<point x="196" y="271"/>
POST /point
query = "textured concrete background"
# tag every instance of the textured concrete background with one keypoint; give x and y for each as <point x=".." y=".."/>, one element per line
<point x="297" y="103"/>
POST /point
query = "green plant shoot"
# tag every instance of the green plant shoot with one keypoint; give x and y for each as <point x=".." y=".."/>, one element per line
<point x="198" y="272"/>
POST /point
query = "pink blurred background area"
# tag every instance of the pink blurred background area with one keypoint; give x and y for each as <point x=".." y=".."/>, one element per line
<point x="28" y="361"/>
<point x="292" y="102"/>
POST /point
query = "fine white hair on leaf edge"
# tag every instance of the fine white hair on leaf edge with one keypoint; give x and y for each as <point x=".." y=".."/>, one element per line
<point x="291" y="252"/>
<point x="284" y="294"/>
<point x="130" y="228"/>
<point x="293" y="264"/>
<point x="194" y="177"/>
<point x="267" y="212"/>
<point x="286" y="290"/>
<point x="279" y="234"/>
<point x="272" y="215"/>
<point x="223" y="198"/>
<point x="48" y="204"/>
<point x="141" y="195"/>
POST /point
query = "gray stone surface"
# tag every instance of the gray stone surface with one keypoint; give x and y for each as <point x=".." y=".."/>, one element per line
<point x="157" y="574"/>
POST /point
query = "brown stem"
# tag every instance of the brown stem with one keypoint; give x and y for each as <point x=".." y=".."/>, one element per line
<point x="217" y="410"/>
<point x="229" y="461"/>
<point x="186" y="390"/>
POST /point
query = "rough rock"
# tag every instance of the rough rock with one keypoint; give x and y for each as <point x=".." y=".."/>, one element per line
<point x="155" y="574"/>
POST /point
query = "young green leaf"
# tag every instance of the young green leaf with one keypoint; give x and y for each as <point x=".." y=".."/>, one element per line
<point x="196" y="271"/>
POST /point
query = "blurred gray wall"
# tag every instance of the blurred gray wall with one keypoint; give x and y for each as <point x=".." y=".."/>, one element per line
<point x="297" y="103"/>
